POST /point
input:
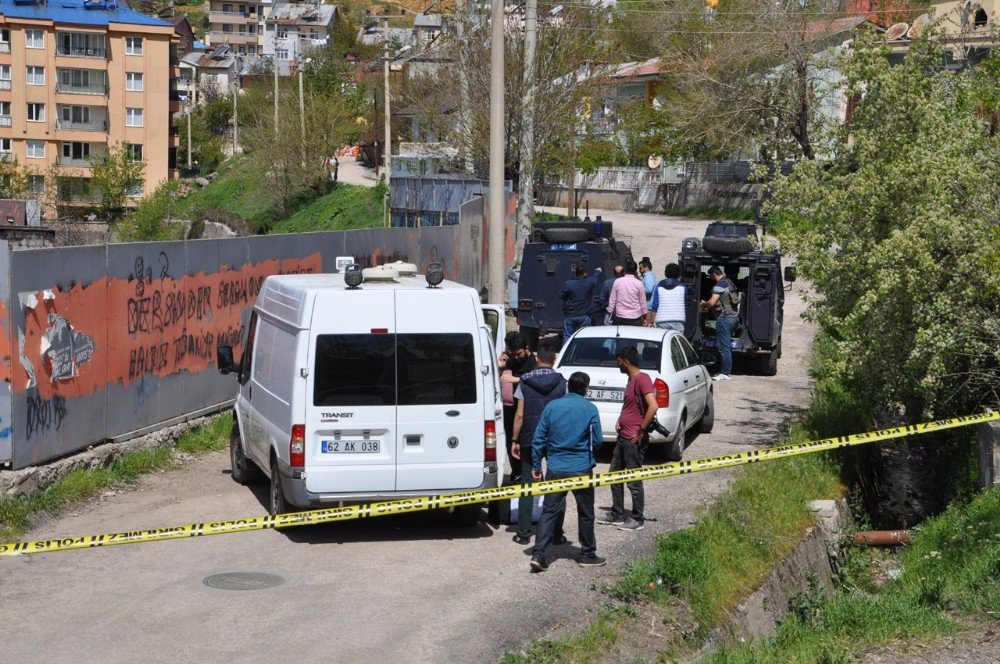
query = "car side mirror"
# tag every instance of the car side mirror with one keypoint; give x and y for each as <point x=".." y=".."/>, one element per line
<point x="224" y="359"/>
<point x="789" y="273"/>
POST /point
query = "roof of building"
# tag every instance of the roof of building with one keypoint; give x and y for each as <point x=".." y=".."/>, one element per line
<point x="78" y="12"/>
<point x="304" y="13"/>
<point x="434" y="21"/>
<point x="822" y="29"/>
<point x="214" y="60"/>
<point x="200" y="45"/>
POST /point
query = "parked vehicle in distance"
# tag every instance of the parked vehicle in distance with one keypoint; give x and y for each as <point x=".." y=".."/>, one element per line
<point x="682" y="384"/>
<point x="367" y="387"/>
<point x="737" y="248"/>
<point x="549" y="260"/>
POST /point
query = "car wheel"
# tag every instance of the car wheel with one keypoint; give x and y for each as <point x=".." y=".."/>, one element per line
<point x="467" y="516"/>
<point x="708" y="417"/>
<point x="769" y="364"/>
<point x="676" y="449"/>
<point x="278" y="503"/>
<point x="243" y="470"/>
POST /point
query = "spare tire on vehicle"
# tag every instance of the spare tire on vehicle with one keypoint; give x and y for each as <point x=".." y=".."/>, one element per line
<point x="567" y="234"/>
<point x="726" y="245"/>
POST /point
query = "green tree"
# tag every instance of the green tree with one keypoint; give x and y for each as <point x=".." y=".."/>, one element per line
<point x="898" y="233"/>
<point x="117" y="175"/>
<point x="153" y="216"/>
<point x="13" y="179"/>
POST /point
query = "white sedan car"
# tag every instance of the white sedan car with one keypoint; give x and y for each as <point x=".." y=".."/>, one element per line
<point x="683" y="387"/>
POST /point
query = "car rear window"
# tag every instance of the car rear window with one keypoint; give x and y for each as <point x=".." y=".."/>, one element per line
<point x="598" y="352"/>
<point x="389" y="370"/>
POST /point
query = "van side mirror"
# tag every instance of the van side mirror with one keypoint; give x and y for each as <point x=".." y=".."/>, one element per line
<point x="224" y="359"/>
<point x="789" y="273"/>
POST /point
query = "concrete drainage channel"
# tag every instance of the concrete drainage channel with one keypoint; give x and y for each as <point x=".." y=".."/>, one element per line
<point x="243" y="581"/>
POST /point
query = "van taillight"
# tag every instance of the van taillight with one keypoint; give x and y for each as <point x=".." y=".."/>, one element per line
<point x="662" y="393"/>
<point x="490" y="440"/>
<point x="297" y="446"/>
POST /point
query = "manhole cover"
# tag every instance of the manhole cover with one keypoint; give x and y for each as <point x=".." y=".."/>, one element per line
<point x="243" y="581"/>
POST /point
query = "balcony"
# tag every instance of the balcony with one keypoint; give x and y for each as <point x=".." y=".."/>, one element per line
<point x="82" y="52"/>
<point x="238" y="18"/>
<point x="4" y="85"/>
<point x="97" y="125"/>
<point x="77" y="162"/>
<point x="234" y="37"/>
<point x="5" y="121"/>
<point x="92" y="89"/>
<point x="4" y="47"/>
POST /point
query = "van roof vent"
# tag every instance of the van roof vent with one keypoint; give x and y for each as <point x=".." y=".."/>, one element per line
<point x="402" y="268"/>
<point x="380" y="273"/>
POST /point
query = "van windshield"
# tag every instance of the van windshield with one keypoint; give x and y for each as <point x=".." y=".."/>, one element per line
<point x="388" y="370"/>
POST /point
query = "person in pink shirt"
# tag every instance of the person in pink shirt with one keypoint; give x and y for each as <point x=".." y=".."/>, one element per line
<point x="627" y="304"/>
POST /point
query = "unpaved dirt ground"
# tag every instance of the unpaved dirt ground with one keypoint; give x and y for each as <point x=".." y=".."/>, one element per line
<point x="412" y="589"/>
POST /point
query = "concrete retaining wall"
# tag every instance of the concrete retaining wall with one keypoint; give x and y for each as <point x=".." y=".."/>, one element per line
<point x="110" y="342"/>
<point x="661" y="198"/>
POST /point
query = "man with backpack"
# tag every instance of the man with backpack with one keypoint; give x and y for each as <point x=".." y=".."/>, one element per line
<point x="668" y="307"/>
<point x="725" y="302"/>
<point x="638" y="410"/>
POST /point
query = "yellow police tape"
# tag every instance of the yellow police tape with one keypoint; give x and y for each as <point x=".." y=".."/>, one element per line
<point x="484" y="495"/>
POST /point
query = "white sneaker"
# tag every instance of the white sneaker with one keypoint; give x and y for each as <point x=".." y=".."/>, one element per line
<point x="721" y="376"/>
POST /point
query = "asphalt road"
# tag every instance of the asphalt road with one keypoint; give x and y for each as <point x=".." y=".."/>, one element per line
<point x="412" y="589"/>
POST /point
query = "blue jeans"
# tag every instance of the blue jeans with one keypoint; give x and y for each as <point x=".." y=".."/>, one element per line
<point x="552" y="510"/>
<point x="724" y="340"/>
<point x="671" y="325"/>
<point x="573" y="323"/>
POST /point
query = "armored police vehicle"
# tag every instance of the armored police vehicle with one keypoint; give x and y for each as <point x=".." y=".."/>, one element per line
<point x="755" y="272"/>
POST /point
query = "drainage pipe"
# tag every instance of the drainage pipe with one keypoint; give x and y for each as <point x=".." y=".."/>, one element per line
<point x="881" y="537"/>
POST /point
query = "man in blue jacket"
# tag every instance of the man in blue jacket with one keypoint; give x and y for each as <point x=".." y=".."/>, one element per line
<point x="568" y="433"/>
<point x="577" y="296"/>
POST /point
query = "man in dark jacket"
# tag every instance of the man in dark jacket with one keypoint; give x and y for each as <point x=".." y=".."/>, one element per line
<point x="536" y="389"/>
<point x="604" y="316"/>
<point x="577" y="296"/>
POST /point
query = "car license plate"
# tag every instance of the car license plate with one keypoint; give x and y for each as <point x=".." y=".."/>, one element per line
<point x="605" y="394"/>
<point x="351" y="446"/>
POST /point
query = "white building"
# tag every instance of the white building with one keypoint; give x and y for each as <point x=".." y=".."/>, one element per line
<point x="292" y="29"/>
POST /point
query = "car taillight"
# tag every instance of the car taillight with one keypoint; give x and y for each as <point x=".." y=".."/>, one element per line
<point x="662" y="393"/>
<point x="297" y="446"/>
<point x="490" y="440"/>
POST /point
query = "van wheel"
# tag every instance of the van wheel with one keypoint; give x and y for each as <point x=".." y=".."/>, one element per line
<point x="676" y="449"/>
<point x="243" y="470"/>
<point x="466" y="516"/>
<point x="278" y="503"/>
<point x="769" y="364"/>
<point x="708" y="417"/>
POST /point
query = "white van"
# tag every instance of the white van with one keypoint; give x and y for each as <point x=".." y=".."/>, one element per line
<point x="386" y="390"/>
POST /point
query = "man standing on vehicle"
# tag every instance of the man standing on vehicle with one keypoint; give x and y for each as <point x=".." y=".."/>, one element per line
<point x="536" y="389"/>
<point x="606" y="294"/>
<point x="724" y="302"/>
<point x="648" y="277"/>
<point x="638" y="410"/>
<point x="627" y="304"/>
<point x="568" y="432"/>
<point x="577" y="296"/>
<point x="668" y="308"/>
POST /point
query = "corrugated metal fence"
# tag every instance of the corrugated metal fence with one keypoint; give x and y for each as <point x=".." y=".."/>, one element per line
<point x="105" y="342"/>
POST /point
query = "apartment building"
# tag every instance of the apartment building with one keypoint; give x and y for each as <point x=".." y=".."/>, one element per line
<point x="291" y="29"/>
<point x="78" y="77"/>
<point x="239" y="24"/>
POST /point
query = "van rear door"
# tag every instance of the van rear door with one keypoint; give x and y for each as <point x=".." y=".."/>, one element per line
<point x="351" y="393"/>
<point x="440" y="417"/>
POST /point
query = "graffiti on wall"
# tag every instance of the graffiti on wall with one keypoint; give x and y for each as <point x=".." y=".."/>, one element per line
<point x="76" y="341"/>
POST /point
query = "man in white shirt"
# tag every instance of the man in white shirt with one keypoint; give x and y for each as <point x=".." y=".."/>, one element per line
<point x="668" y="307"/>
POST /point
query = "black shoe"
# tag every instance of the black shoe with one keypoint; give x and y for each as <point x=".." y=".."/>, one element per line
<point x="631" y="524"/>
<point x="611" y="520"/>
<point x="559" y="540"/>
<point x="538" y="565"/>
<point x="521" y="540"/>
<point x="592" y="561"/>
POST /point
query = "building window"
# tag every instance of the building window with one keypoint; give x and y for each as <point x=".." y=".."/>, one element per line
<point x="34" y="39"/>
<point x="5" y="73"/>
<point x="134" y="151"/>
<point x="281" y="54"/>
<point x="133" y="46"/>
<point x="36" y="75"/>
<point x="5" y="145"/>
<point x="227" y="29"/>
<point x="5" y="108"/>
<point x="36" y="149"/>
<point x="252" y="50"/>
<point x="135" y="190"/>
<point x="133" y="117"/>
<point x="282" y="32"/>
<point x="133" y="81"/>
<point x="36" y="112"/>
<point x="76" y="150"/>
<point x="36" y="184"/>
<point x="228" y="9"/>
<point x="241" y="50"/>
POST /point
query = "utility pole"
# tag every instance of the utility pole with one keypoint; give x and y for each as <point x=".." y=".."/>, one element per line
<point x="236" y="119"/>
<point x="463" y="87"/>
<point x="275" y="63"/>
<point x="387" y="147"/>
<point x="495" y="254"/>
<point x="194" y="102"/>
<point x="526" y="169"/>
<point x="302" y="111"/>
